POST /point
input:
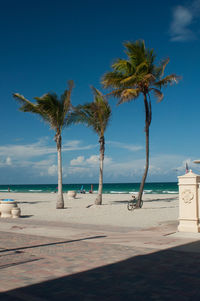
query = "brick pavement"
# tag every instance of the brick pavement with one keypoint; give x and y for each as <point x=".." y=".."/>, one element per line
<point x="96" y="263"/>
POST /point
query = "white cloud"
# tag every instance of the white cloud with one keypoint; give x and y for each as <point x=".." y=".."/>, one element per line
<point x="78" y="161"/>
<point x="39" y="148"/>
<point x="183" y="17"/>
<point x="164" y="166"/>
<point x="8" y="161"/>
<point x="93" y="160"/>
<point x="40" y="158"/>
<point x="130" y="147"/>
<point x="52" y="170"/>
<point x="78" y="170"/>
<point x="182" y="166"/>
<point x="76" y="145"/>
<point x="26" y="150"/>
<point x="107" y="160"/>
<point x="160" y="166"/>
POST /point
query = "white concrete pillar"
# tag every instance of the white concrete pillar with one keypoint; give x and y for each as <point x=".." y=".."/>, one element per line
<point x="188" y="203"/>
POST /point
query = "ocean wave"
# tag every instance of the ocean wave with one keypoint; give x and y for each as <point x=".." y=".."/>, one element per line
<point x="148" y="191"/>
<point x="119" y="192"/>
<point x="3" y="190"/>
<point x="166" y="191"/>
<point x="32" y="190"/>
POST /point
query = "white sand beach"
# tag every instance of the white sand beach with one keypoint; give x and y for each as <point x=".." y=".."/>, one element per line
<point x="157" y="208"/>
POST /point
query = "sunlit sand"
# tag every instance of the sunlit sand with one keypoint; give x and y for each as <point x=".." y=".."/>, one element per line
<point x="157" y="208"/>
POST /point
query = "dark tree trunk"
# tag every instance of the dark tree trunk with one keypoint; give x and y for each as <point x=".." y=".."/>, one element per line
<point x="60" y="200"/>
<point x="98" y="200"/>
<point x="147" y="124"/>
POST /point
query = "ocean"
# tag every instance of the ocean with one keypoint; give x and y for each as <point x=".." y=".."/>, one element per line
<point x="114" y="188"/>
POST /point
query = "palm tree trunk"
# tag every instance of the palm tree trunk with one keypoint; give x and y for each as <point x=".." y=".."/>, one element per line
<point x="147" y="124"/>
<point x="102" y="149"/>
<point x="60" y="200"/>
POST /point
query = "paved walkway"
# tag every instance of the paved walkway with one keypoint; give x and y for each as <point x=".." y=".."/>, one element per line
<point x="64" y="261"/>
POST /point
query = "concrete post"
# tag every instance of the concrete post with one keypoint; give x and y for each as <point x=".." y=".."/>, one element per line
<point x="188" y="202"/>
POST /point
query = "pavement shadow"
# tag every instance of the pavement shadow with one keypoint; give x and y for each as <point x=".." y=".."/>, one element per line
<point x="171" y="274"/>
<point x="9" y="265"/>
<point x="51" y="244"/>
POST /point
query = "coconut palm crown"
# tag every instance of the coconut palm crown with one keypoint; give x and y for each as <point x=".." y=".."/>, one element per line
<point x="95" y="115"/>
<point x="136" y="75"/>
<point x="55" y="112"/>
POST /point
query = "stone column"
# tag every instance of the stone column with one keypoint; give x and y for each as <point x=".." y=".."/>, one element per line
<point x="188" y="203"/>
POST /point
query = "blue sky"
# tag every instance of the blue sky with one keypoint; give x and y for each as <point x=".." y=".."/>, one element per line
<point x="45" y="43"/>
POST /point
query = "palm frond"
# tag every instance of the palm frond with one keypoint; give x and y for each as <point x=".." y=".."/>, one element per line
<point x="132" y="79"/>
<point x="169" y="79"/>
<point x="138" y="54"/>
<point x="144" y="74"/>
<point x="142" y="67"/>
<point x="150" y="78"/>
<point x="95" y="115"/>
<point x="123" y="66"/>
<point x="98" y="96"/>
<point x="51" y="109"/>
<point x="116" y="93"/>
<point x="67" y="98"/>
<point x="158" y="94"/>
<point x="26" y="105"/>
<point x="66" y="102"/>
<point x="112" y="79"/>
<point x="129" y="94"/>
<point x="159" y="70"/>
<point x="135" y="50"/>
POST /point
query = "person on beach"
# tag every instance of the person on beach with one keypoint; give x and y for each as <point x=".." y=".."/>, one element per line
<point x="91" y="190"/>
<point x="82" y="190"/>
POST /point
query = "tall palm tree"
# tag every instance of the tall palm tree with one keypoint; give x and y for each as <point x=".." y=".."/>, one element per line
<point x="95" y="115"/>
<point x="55" y="112"/>
<point x="137" y="75"/>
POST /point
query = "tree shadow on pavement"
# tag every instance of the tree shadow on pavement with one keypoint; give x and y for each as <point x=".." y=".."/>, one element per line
<point x="51" y="244"/>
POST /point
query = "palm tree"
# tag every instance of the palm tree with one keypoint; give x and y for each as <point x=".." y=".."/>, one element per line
<point x="95" y="115"/>
<point x="137" y="75"/>
<point x="55" y="112"/>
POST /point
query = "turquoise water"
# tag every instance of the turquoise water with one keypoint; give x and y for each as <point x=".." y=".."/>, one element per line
<point x="164" y="187"/>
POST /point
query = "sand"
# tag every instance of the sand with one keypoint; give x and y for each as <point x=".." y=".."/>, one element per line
<point x="157" y="209"/>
